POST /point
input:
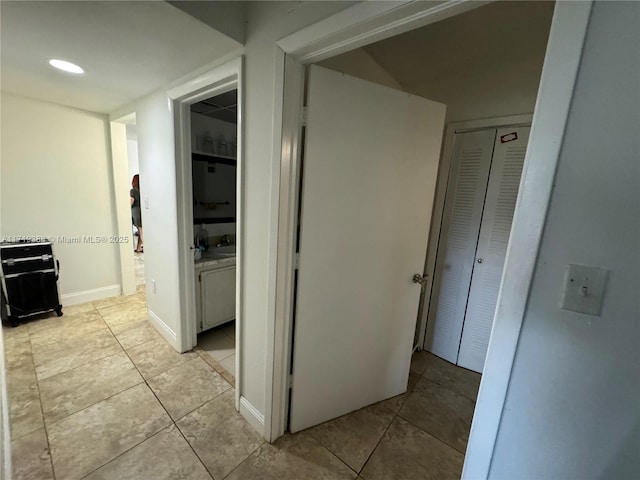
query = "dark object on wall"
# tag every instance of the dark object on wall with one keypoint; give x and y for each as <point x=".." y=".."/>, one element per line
<point x="29" y="280"/>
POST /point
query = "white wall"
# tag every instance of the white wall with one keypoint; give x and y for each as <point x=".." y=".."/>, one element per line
<point x="573" y="404"/>
<point x="57" y="182"/>
<point x="156" y="149"/>
<point x="132" y="150"/>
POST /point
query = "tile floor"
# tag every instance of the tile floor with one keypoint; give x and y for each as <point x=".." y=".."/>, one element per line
<point x="219" y="344"/>
<point x="98" y="394"/>
<point x="138" y="259"/>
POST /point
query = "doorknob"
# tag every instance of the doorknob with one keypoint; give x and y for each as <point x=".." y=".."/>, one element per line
<point x="421" y="279"/>
<point x="480" y="260"/>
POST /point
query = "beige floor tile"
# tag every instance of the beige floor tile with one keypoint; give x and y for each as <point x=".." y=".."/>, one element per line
<point x="219" y="435"/>
<point x="128" y="312"/>
<point x="111" y="301"/>
<point x="18" y="354"/>
<point x="25" y="413"/>
<point x="157" y="356"/>
<point x="460" y="380"/>
<point x="42" y="326"/>
<point x="230" y="379"/>
<point x="292" y="457"/>
<point x="229" y="364"/>
<point x="184" y="388"/>
<point x="408" y="453"/>
<point x="73" y="390"/>
<point x="79" y="308"/>
<point x="217" y="344"/>
<point x="440" y="412"/>
<point x="20" y="376"/>
<point x="133" y="334"/>
<point x="88" y="439"/>
<point x="353" y="437"/>
<point x="65" y="332"/>
<point x="74" y="352"/>
<point x="165" y="456"/>
<point x="30" y="457"/>
<point x="15" y="334"/>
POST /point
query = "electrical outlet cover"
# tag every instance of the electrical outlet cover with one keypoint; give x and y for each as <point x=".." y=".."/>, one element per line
<point x="584" y="289"/>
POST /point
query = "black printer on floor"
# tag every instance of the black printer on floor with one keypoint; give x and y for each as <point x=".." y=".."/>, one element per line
<point x="29" y="280"/>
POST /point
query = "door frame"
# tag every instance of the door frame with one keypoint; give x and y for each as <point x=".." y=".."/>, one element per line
<point x="437" y="217"/>
<point x="120" y="169"/>
<point x="218" y="80"/>
<point x="360" y="25"/>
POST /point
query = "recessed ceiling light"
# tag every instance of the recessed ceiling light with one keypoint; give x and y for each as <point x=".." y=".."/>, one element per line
<point x="65" y="66"/>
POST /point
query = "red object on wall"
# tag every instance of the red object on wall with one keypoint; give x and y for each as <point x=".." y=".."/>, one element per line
<point x="509" y="137"/>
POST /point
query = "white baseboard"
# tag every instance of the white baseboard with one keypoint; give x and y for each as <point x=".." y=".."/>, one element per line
<point x="90" y="295"/>
<point x="252" y="415"/>
<point x="164" y="330"/>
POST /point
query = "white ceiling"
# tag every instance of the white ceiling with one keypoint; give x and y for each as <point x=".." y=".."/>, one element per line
<point x="128" y="49"/>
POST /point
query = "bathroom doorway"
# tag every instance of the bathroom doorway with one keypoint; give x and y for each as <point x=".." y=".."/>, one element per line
<point x="214" y="137"/>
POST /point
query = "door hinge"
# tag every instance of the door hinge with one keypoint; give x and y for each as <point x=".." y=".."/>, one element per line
<point x="290" y="381"/>
<point x="201" y="325"/>
<point x="305" y="116"/>
<point x="200" y="277"/>
<point x="296" y="261"/>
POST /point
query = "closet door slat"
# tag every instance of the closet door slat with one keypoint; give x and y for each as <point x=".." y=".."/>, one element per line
<point x="466" y="189"/>
<point x="502" y="193"/>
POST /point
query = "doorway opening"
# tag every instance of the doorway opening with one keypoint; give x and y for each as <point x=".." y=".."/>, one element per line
<point x="214" y="137"/>
<point x="481" y="83"/>
<point x="137" y="230"/>
<point x="208" y="136"/>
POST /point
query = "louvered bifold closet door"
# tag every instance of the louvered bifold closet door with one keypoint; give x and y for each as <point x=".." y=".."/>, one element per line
<point x="466" y="189"/>
<point x="502" y="193"/>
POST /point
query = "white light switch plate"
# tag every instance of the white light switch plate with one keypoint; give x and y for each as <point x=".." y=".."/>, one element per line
<point x="146" y="202"/>
<point x="584" y="289"/>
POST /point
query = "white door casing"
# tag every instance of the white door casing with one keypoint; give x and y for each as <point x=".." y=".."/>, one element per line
<point x="370" y="167"/>
<point x="468" y="177"/>
<point x="502" y="193"/>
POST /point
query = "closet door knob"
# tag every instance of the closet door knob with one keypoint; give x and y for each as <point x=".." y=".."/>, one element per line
<point x="480" y="260"/>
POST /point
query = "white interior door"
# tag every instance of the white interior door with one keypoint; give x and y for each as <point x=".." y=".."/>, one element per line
<point x="502" y="193"/>
<point x="370" y="167"/>
<point x="467" y="187"/>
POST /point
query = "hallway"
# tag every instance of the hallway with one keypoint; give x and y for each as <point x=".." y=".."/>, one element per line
<point x="98" y="394"/>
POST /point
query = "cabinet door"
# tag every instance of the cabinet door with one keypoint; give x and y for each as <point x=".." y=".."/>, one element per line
<point x="218" y="296"/>
<point x="500" y="203"/>
<point x="467" y="186"/>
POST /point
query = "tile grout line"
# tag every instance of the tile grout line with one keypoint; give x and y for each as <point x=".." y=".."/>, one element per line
<point x="332" y="452"/>
<point x="395" y="415"/>
<point x="126" y="451"/>
<point x="433" y="435"/>
<point x="244" y="460"/>
<point x="84" y="365"/>
<point x="173" y="422"/>
<point x="44" y="423"/>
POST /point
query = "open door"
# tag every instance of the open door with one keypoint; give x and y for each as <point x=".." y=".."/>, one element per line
<point x="370" y="168"/>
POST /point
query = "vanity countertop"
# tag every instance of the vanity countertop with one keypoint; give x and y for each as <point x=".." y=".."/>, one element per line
<point x="211" y="259"/>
